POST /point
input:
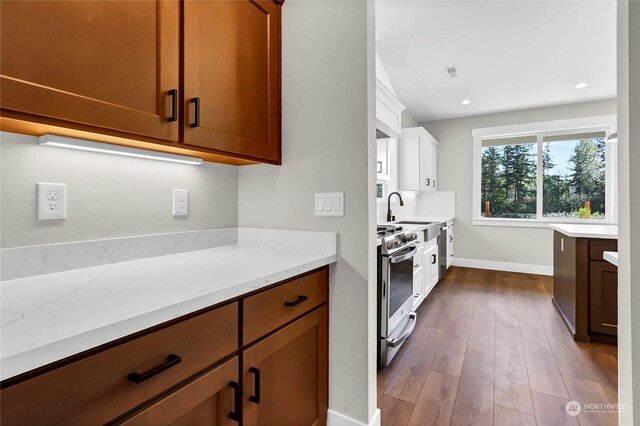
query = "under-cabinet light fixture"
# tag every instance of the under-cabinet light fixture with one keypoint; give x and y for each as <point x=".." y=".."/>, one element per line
<point x="105" y="148"/>
<point x="581" y="85"/>
<point x="465" y="102"/>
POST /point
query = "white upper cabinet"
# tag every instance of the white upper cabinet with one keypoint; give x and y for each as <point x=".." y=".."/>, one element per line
<point x="388" y="106"/>
<point x="383" y="163"/>
<point x="388" y="111"/>
<point x="417" y="160"/>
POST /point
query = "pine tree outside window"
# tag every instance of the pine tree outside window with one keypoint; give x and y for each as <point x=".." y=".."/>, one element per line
<point x="533" y="174"/>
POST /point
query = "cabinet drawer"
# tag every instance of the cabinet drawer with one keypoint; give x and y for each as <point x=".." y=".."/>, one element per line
<point x="207" y="400"/>
<point x="97" y="389"/>
<point x="597" y="247"/>
<point x="268" y="310"/>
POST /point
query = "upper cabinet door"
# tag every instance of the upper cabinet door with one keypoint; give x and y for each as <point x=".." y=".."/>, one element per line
<point x="232" y="77"/>
<point x="111" y="65"/>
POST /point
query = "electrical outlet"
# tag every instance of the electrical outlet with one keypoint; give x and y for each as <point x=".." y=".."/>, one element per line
<point x="180" y="202"/>
<point x="51" y="201"/>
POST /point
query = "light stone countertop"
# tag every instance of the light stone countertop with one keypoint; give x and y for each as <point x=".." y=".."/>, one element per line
<point x="611" y="257"/>
<point x="415" y="227"/>
<point x="49" y="317"/>
<point x="587" y="230"/>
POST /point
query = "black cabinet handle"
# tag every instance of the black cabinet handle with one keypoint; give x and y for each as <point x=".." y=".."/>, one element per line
<point x="174" y="105"/>
<point x="255" y="398"/>
<point x="298" y="301"/>
<point x="428" y="182"/>
<point x="450" y="238"/>
<point x="434" y="183"/>
<point x="235" y="414"/>
<point x="433" y="259"/>
<point x="196" y="112"/>
<point x="172" y="360"/>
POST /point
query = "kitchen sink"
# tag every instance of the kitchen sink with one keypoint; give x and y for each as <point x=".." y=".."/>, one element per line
<point x="416" y="222"/>
<point x="430" y="232"/>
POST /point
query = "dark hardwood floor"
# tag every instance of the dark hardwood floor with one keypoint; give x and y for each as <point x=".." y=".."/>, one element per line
<point x="490" y="349"/>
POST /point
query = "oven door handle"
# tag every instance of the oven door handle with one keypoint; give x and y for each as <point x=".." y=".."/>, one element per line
<point x="398" y="259"/>
<point x="400" y="340"/>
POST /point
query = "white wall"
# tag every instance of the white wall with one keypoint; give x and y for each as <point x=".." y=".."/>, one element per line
<point x="408" y="120"/>
<point x="328" y="93"/>
<point x="629" y="205"/>
<point x="455" y="154"/>
<point x="107" y="196"/>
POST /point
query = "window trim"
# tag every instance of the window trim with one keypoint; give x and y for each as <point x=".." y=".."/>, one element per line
<point x="606" y="123"/>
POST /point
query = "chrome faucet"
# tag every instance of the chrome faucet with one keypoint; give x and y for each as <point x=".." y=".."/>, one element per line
<point x="390" y="217"/>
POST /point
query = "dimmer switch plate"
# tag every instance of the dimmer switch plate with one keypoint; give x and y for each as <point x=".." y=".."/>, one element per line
<point x="51" y="201"/>
<point x="180" y="202"/>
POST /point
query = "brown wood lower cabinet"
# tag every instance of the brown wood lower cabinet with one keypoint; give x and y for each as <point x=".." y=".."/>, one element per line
<point x="585" y="287"/>
<point x="188" y="371"/>
<point x="604" y="298"/>
<point x="207" y="400"/>
<point x="285" y="375"/>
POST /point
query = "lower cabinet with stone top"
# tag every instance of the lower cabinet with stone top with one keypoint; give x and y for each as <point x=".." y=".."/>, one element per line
<point x="258" y="359"/>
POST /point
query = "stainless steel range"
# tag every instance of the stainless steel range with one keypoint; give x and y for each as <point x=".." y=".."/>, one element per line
<point x="396" y="320"/>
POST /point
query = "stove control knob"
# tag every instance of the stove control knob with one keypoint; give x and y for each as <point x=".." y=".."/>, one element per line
<point x="390" y="245"/>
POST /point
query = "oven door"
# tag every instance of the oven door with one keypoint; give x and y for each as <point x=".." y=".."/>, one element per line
<point x="400" y="287"/>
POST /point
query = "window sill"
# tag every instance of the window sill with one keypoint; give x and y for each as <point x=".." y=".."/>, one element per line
<point x="536" y="223"/>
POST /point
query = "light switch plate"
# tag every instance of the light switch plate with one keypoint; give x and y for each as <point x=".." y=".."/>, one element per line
<point x="180" y="202"/>
<point x="51" y="201"/>
<point x="329" y="204"/>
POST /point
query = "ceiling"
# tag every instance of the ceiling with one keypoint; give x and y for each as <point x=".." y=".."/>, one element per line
<point x="510" y="55"/>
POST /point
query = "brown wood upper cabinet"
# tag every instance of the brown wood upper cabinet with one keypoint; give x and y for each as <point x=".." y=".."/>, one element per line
<point x="113" y="69"/>
<point x="232" y="77"/>
<point x="108" y="65"/>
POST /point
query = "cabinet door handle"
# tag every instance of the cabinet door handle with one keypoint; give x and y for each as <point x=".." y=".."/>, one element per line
<point x="255" y="398"/>
<point x="196" y="112"/>
<point x="174" y="105"/>
<point x="172" y="360"/>
<point x="298" y="301"/>
<point x="235" y="414"/>
<point x="450" y="238"/>
<point x="428" y="182"/>
<point x="433" y="183"/>
<point x="433" y="259"/>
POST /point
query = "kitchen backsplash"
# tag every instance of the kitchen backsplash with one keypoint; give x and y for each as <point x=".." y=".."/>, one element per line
<point x="20" y="262"/>
<point x="428" y="204"/>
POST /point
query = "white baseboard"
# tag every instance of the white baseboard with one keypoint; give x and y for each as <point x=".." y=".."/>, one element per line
<point x="524" y="268"/>
<point x="336" y="419"/>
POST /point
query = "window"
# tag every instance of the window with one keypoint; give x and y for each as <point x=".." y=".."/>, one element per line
<point x="558" y="171"/>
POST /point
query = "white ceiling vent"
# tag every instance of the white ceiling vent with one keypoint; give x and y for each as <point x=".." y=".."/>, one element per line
<point x="452" y="72"/>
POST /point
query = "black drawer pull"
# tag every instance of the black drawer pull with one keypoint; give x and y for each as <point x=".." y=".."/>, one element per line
<point x="235" y="414"/>
<point x="196" y="112"/>
<point x="255" y="398"/>
<point x="174" y="105"/>
<point x="172" y="360"/>
<point x="298" y="301"/>
<point x="433" y="259"/>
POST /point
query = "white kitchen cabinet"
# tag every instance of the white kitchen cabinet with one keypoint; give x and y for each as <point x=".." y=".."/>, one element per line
<point x="417" y="160"/>
<point x="388" y="111"/>
<point x="449" y="243"/>
<point x="430" y="267"/>
<point x="383" y="160"/>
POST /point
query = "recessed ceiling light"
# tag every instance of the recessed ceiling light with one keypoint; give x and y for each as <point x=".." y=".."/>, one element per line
<point x="581" y="85"/>
<point x="465" y="102"/>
